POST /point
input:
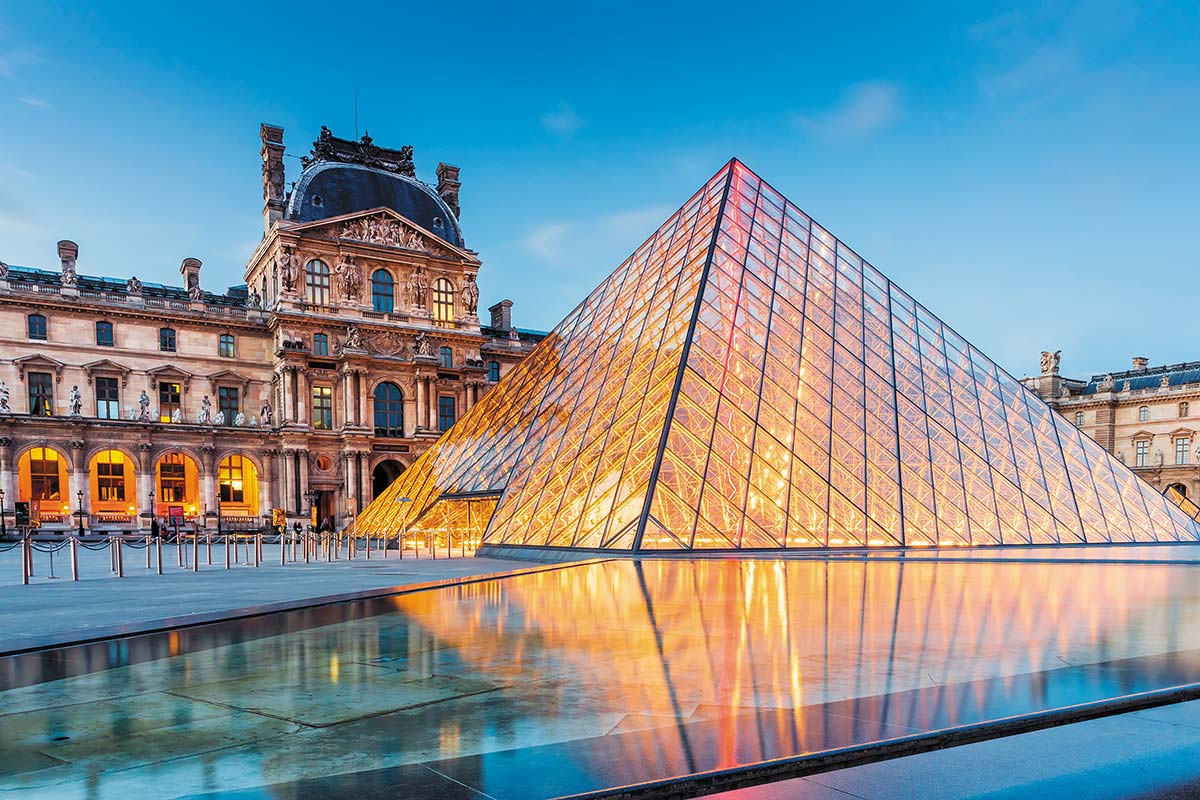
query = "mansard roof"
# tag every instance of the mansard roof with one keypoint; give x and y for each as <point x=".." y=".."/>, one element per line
<point x="235" y="296"/>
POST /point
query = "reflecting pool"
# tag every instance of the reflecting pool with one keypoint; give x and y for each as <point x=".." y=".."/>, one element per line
<point x="584" y="677"/>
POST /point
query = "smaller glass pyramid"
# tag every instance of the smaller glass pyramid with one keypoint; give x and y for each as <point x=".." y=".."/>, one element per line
<point x="745" y="381"/>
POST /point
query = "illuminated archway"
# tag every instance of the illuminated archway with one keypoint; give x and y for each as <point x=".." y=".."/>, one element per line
<point x="384" y="473"/>
<point x="42" y="482"/>
<point x="112" y="486"/>
<point x="176" y="485"/>
<point x="237" y="486"/>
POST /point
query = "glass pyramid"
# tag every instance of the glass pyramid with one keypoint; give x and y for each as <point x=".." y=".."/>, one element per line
<point x="745" y="381"/>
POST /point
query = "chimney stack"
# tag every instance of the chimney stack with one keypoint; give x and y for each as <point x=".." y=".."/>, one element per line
<point x="273" y="175"/>
<point x="502" y="315"/>
<point x="1140" y="363"/>
<point x="448" y="186"/>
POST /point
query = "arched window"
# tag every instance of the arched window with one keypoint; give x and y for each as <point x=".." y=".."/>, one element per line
<point x="225" y="346"/>
<point x="231" y="478"/>
<point x="443" y="302"/>
<point x="316" y="282"/>
<point x="1144" y="414"/>
<point x="389" y="410"/>
<point x="493" y="371"/>
<point x="110" y="476"/>
<point x="104" y="334"/>
<point x="36" y="325"/>
<point x="383" y="291"/>
<point x="1183" y="409"/>
<point x="320" y="344"/>
<point x="44" y="474"/>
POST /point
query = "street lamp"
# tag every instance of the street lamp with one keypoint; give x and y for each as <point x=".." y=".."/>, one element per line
<point x="79" y="511"/>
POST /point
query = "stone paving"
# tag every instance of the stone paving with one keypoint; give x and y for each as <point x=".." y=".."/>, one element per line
<point x="99" y="600"/>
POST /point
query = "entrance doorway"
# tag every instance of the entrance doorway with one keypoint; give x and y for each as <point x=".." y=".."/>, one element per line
<point x="384" y="474"/>
<point x="323" y="503"/>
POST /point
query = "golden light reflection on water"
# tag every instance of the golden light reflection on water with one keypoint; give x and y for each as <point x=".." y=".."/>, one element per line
<point x="666" y="666"/>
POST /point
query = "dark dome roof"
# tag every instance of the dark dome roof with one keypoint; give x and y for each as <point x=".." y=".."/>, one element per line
<point x="330" y="189"/>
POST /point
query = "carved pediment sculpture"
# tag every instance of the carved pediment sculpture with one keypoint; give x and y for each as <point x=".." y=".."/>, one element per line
<point x="384" y="230"/>
<point x="388" y="343"/>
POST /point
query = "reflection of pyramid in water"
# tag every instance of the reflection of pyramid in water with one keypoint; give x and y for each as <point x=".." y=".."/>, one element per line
<point x="745" y="380"/>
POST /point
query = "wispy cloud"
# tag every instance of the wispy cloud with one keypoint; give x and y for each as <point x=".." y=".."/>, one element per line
<point x="20" y="173"/>
<point x="548" y="241"/>
<point x="863" y="109"/>
<point x="554" y="242"/>
<point x="562" y="120"/>
<point x="35" y="102"/>
<point x="12" y="58"/>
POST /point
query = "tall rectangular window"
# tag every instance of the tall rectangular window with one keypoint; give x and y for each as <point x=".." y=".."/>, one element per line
<point x="43" y="474"/>
<point x="446" y="413"/>
<point x="322" y="408"/>
<point x="493" y="371"/>
<point x="168" y="401"/>
<point x="227" y="402"/>
<point x="172" y="478"/>
<point x="104" y="334"/>
<point x="108" y="398"/>
<point x="110" y="476"/>
<point x="320" y="344"/>
<point x="166" y="340"/>
<point x="41" y="394"/>
<point x="447" y="356"/>
<point x="1141" y="454"/>
<point x="231" y="487"/>
<point x="36" y="326"/>
<point x="1182" y="444"/>
<point x="225" y="347"/>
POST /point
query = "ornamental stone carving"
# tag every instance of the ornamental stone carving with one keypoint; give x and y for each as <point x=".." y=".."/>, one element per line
<point x="418" y="288"/>
<point x="5" y="408"/>
<point x="354" y="338"/>
<point x="204" y="415"/>
<point x="470" y="296"/>
<point x="422" y="346"/>
<point x="388" y="343"/>
<point x="3" y="270"/>
<point x="384" y="230"/>
<point x="1164" y="381"/>
<point x="1106" y="383"/>
<point x="133" y="286"/>
<point x="1050" y="362"/>
<point x="285" y="263"/>
<point x="75" y="401"/>
<point x="349" y="278"/>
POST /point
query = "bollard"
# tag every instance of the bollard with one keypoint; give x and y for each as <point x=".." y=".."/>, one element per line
<point x="368" y="547"/>
<point x="25" y="560"/>
<point x="148" y="548"/>
<point x="283" y="550"/>
<point x="179" y="550"/>
<point x="208" y="546"/>
<point x="120" y="558"/>
<point x="112" y="556"/>
<point x="158" y="551"/>
<point x="227" y="551"/>
<point x="307" y="547"/>
<point x="257" y="549"/>
<point x="75" y="558"/>
<point x="195" y="552"/>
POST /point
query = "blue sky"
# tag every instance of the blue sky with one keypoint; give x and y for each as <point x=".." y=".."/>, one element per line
<point x="1030" y="172"/>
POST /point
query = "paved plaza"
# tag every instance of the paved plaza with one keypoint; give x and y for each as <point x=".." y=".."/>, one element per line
<point x="67" y="610"/>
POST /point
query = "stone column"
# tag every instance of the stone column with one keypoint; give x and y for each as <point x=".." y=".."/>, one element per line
<point x="145" y="483"/>
<point x="303" y="478"/>
<point x="433" y="404"/>
<point x="348" y="473"/>
<point x="362" y="414"/>
<point x="78" y="480"/>
<point x="347" y="400"/>
<point x="302" y="397"/>
<point x="6" y="474"/>
<point x="264" y="483"/>
<point x="285" y="396"/>
<point x="420" y="415"/>
<point x="364" y="477"/>
<point x="208" y="481"/>
<point x="285" y="481"/>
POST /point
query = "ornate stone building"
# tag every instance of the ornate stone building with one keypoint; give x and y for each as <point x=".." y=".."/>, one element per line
<point x="1149" y="417"/>
<point x="353" y="343"/>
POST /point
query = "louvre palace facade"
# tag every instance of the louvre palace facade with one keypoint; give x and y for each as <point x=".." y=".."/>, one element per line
<point x="354" y="342"/>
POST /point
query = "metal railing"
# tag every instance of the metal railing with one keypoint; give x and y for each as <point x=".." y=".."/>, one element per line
<point x="234" y="550"/>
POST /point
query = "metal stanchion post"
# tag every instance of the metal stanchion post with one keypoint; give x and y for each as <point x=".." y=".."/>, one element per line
<point x="112" y="558"/>
<point x="227" y="551"/>
<point x="195" y="552"/>
<point x="25" y="560"/>
<point x="257" y="549"/>
<point x="283" y="550"/>
<point x="208" y="546"/>
<point x="158" y="551"/>
<point x="74" y="558"/>
<point x="148" y="548"/>
<point x="179" y="551"/>
<point x="120" y="558"/>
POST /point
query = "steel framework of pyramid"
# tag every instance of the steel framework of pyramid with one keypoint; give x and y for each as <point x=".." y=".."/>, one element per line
<point x="746" y="381"/>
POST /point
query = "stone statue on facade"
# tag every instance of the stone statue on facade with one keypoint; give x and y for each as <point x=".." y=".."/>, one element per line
<point x="354" y="338"/>
<point x="265" y="412"/>
<point x="418" y="288"/>
<point x="3" y="270"/>
<point x="133" y="286"/>
<point x="144" y="406"/>
<point x="219" y="419"/>
<point x="1050" y="362"/>
<point x="240" y="420"/>
<point x="5" y="408"/>
<point x="1065" y="392"/>
<point x="75" y="401"/>
<point x="177" y="416"/>
<point x="422" y="346"/>
<point x="1106" y="383"/>
<point x="69" y="279"/>
<point x="470" y="296"/>
<point x="1164" y="381"/>
<point x="204" y="415"/>
<point x="254" y="300"/>
<point x="285" y="261"/>
<point x="196" y="293"/>
<point x="349" y="278"/>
